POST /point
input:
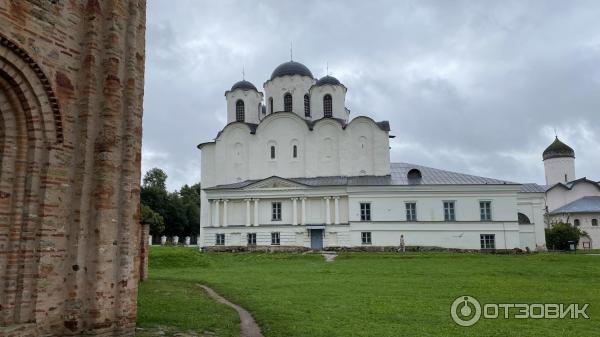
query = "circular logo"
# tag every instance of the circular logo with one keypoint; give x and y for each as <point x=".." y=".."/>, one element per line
<point x="465" y="311"/>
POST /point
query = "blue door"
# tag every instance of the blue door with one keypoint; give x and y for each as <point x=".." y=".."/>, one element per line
<point x="316" y="239"/>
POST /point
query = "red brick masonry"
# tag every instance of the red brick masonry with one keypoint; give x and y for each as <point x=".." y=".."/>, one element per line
<point x="71" y="89"/>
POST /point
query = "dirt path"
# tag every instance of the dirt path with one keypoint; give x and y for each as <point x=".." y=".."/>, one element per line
<point x="248" y="326"/>
<point x="329" y="256"/>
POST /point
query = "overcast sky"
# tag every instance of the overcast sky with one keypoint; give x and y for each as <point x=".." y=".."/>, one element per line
<point x="469" y="86"/>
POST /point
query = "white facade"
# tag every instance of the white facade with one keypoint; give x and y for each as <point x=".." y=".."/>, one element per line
<point x="559" y="170"/>
<point x="571" y="200"/>
<point x="303" y="179"/>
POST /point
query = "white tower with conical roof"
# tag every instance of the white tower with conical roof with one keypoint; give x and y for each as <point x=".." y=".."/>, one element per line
<point x="559" y="163"/>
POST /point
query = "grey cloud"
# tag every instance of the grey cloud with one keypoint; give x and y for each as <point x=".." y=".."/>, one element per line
<point x="476" y="87"/>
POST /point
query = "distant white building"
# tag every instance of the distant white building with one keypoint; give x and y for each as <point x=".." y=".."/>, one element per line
<point x="576" y="201"/>
<point x="292" y="169"/>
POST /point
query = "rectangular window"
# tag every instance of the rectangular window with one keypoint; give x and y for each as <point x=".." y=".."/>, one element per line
<point x="365" y="211"/>
<point x="488" y="241"/>
<point x="276" y="211"/>
<point x="251" y="239"/>
<point x="449" y="214"/>
<point x="411" y="211"/>
<point x="365" y="238"/>
<point x="275" y="239"/>
<point x="485" y="209"/>
<point x="594" y="222"/>
<point x="219" y="239"/>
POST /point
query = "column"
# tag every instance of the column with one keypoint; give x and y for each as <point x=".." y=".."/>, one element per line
<point x="255" y="212"/>
<point x="336" y="209"/>
<point x="217" y="213"/>
<point x="225" y="212"/>
<point x="327" y="211"/>
<point x="294" y="211"/>
<point x="303" y="218"/>
<point x="247" y="212"/>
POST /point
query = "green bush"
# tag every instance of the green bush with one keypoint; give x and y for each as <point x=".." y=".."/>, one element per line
<point x="559" y="235"/>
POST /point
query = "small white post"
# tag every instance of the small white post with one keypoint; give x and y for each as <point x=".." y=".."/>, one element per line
<point x="175" y="240"/>
<point x="187" y="241"/>
<point x="163" y="240"/>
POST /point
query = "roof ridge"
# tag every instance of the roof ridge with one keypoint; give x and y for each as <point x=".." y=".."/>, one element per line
<point x="453" y="172"/>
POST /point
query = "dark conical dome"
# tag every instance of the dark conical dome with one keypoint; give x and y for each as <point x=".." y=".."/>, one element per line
<point x="328" y="80"/>
<point x="558" y="149"/>
<point x="244" y="85"/>
<point x="291" y="68"/>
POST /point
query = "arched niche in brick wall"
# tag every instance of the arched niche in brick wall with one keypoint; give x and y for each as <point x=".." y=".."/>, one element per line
<point x="30" y="130"/>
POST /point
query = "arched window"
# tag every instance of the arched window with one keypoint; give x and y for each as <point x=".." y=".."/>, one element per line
<point x="287" y="102"/>
<point x="272" y="151"/>
<point x="306" y="105"/>
<point x="523" y="219"/>
<point x="327" y="106"/>
<point x="414" y="174"/>
<point x="576" y="222"/>
<point x="271" y="105"/>
<point x="295" y="151"/>
<point x="239" y="111"/>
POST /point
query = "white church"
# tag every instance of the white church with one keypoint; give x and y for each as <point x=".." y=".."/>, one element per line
<point x="292" y="169"/>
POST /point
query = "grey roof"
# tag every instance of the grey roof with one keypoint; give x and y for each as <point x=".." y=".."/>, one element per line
<point x="558" y="149"/>
<point x="328" y="80"/>
<point x="583" y="205"/>
<point x="244" y="85"/>
<point x="291" y="68"/>
<point x="569" y="185"/>
<point x="533" y="188"/>
<point x="398" y="177"/>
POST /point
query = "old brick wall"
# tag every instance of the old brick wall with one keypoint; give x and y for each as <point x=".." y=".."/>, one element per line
<point x="71" y="88"/>
<point x="144" y="251"/>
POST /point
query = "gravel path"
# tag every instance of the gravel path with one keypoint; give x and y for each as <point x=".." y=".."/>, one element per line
<point x="248" y="326"/>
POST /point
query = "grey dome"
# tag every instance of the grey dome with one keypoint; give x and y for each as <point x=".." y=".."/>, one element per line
<point x="328" y="80"/>
<point x="244" y="85"/>
<point x="291" y="68"/>
<point x="558" y="149"/>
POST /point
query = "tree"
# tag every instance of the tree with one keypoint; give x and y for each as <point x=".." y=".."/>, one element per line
<point x="190" y="196"/>
<point x="155" y="178"/>
<point x="559" y="235"/>
<point x="153" y="219"/>
<point x="176" y="221"/>
<point x="154" y="192"/>
<point x="180" y="210"/>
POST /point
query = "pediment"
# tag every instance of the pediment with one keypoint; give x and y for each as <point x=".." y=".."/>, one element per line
<point x="275" y="183"/>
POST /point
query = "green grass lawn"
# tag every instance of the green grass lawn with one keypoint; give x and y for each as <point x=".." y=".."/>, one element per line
<point x="365" y="294"/>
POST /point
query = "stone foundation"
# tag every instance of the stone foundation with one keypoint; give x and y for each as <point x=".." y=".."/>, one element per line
<point x="299" y="249"/>
<point x="263" y="249"/>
